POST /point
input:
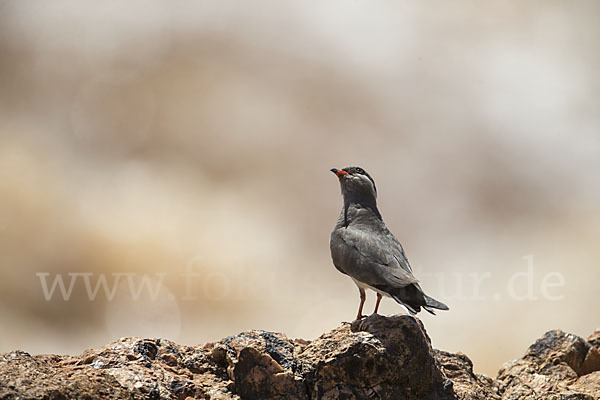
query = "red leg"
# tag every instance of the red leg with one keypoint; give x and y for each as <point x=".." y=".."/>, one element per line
<point x="363" y="297"/>
<point x="377" y="304"/>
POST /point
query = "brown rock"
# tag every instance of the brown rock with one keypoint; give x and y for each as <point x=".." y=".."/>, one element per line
<point x="594" y="338"/>
<point x="467" y="385"/>
<point x="376" y="358"/>
<point x="558" y="365"/>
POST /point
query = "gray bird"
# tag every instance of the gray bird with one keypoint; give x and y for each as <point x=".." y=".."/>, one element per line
<point x="363" y="248"/>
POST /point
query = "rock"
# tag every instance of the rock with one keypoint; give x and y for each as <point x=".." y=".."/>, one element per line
<point x="458" y="369"/>
<point x="375" y="358"/>
<point x="557" y="366"/>
<point x="378" y="357"/>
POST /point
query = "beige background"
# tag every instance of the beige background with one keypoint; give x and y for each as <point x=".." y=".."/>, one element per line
<point x="149" y="137"/>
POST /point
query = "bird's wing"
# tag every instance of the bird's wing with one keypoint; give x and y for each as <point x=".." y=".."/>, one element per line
<point x="375" y="259"/>
<point x="397" y="250"/>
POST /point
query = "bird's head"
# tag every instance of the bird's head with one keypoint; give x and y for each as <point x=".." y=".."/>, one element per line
<point x="356" y="183"/>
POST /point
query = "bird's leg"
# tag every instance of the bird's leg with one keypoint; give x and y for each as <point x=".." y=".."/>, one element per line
<point x="377" y="304"/>
<point x="363" y="297"/>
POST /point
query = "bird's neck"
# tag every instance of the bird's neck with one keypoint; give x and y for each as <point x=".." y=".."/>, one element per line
<point x="353" y="207"/>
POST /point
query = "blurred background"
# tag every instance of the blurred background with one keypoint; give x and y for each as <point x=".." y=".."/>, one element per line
<point x="185" y="147"/>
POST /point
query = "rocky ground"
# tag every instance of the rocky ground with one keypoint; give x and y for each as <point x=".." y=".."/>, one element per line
<point x="376" y="358"/>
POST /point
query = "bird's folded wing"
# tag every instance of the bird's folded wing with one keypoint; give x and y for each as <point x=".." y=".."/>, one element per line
<point x="374" y="259"/>
<point x="397" y="250"/>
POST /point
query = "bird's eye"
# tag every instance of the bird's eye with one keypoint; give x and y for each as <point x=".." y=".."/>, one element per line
<point x="360" y="170"/>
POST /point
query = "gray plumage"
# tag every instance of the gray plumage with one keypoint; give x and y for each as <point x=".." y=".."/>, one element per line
<point x="363" y="248"/>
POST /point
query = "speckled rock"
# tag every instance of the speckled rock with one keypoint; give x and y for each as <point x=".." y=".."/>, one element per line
<point x="379" y="358"/>
<point x="557" y="366"/>
<point x="375" y="358"/>
<point x="458" y="368"/>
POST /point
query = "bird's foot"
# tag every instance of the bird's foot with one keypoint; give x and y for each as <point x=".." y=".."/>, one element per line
<point x="360" y="316"/>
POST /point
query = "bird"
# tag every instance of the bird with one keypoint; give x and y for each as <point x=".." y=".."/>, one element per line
<point x="363" y="248"/>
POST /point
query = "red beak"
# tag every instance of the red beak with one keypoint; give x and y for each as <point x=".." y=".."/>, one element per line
<point x="339" y="172"/>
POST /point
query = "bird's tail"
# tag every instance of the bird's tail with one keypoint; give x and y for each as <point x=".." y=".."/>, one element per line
<point x="433" y="303"/>
<point x="413" y="298"/>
